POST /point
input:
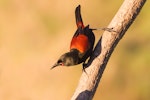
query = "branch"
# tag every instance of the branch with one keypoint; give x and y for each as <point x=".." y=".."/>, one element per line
<point x="96" y="65"/>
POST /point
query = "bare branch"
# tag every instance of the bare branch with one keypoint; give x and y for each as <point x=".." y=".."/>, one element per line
<point x="123" y="19"/>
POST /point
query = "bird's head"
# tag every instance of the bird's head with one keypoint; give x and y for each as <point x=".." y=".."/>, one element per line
<point x="68" y="59"/>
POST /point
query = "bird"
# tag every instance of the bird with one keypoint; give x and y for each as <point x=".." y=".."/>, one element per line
<point x="81" y="46"/>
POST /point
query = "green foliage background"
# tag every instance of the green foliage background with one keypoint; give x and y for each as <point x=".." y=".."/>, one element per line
<point x="34" y="33"/>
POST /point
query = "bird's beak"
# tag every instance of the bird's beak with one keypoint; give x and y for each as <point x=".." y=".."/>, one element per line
<point x="55" y="65"/>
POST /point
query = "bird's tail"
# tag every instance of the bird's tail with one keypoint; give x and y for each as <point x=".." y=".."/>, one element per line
<point x="79" y="21"/>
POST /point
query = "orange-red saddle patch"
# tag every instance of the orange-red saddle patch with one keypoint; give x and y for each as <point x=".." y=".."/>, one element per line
<point x="80" y="43"/>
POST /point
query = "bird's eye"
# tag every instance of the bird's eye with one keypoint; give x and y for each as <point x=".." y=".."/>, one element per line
<point x="59" y="61"/>
<point x="61" y="64"/>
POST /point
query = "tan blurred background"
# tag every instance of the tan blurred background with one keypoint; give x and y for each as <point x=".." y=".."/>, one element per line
<point x="34" y="33"/>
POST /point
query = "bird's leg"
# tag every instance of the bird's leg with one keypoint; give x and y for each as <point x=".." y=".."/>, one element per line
<point x="84" y="67"/>
<point x="105" y="29"/>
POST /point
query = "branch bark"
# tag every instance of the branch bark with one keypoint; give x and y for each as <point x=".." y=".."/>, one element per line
<point x="96" y="65"/>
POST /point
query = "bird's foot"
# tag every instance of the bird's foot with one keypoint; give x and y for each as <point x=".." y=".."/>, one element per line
<point x="84" y="67"/>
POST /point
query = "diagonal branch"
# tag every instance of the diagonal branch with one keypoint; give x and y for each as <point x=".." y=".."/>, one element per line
<point x="121" y="22"/>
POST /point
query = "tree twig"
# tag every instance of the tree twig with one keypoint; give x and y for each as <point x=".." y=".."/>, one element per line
<point x="121" y="22"/>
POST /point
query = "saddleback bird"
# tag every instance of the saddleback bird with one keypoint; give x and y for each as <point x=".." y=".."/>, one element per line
<point x="81" y="46"/>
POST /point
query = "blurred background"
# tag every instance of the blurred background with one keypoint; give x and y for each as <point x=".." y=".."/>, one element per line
<point x="34" y="33"/>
